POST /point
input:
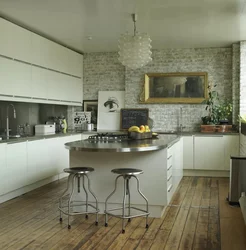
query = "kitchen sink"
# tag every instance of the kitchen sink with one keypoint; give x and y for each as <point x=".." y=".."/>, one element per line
<point x="4" y="137"/>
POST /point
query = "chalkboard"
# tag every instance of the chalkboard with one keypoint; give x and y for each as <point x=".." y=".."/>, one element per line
<point x="133" y="117"/>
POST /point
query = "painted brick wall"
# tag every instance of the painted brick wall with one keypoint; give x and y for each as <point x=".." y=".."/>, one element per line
<point x="235" y="81"/>
<point x="102" y="71"/>
<point x="242" y="91"/>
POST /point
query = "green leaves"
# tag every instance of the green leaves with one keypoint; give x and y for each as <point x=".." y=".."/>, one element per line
<point x="217" y="110"/>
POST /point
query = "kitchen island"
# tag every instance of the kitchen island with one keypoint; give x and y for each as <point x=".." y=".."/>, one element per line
<point x="160" y="159"/>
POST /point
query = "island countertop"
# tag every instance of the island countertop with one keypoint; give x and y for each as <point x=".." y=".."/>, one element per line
<point x="124" y="145"/>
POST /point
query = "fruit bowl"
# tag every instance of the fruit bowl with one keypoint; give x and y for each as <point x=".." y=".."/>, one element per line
<point x="154" y="135"/>
<point x="140" y="136"/>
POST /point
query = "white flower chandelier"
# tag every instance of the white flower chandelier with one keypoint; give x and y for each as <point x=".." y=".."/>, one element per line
<point x="135" y="50"/>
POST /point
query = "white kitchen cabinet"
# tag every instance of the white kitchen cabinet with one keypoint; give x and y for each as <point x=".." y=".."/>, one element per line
<point x="15" y="42"/>
<point x="209" y="152"/>
<point x="51" y="55"/>
<point x="188" y="152"/>
<point x="174" y="167"/>
<point x="231" y="147"/>
<point x="75" y="63"/>
<point x="16" y="160"/>
<point x="39" y="86"/>
<point x="47" y="157"/>
<point x="15" y="78"/>
<point x="38" y="160"/>
<point x="3" y="169"/>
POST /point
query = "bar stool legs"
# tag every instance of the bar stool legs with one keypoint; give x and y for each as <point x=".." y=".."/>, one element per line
<point x="76" y="174"/>
<point x="126" y="210"/>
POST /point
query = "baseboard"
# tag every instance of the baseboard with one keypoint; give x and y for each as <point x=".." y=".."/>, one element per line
<point x="25" y="189"/>
<point x="206" y="173"/>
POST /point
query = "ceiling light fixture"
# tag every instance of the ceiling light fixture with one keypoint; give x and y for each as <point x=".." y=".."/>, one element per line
<point x="135" y="51"/>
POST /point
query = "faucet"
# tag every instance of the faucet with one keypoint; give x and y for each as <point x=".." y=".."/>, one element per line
<point x="181" y="120"/>
<point x="7" y="119"/>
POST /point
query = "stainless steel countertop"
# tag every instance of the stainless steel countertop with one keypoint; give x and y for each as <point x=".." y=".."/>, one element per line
<point x="124" y="146"/>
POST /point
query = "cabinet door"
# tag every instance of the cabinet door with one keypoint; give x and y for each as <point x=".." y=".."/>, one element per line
<point x="188" y="152"/>
<point x="15" y="42"/>
<point x="15" y="78"/>
<point x="3" y="169"/>
<point x="16" y="158"/>
<point x="42" y="156"/>
<point x="39" y="83"/>
<point x="75" y="61"/>
<point x="231" y="146"/>
<point x="209" y="152"/>
<point x="76" y="89"/>
<point x="40" y="50"/>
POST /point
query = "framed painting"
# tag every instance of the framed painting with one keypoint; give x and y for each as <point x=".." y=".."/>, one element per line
<point x="91" y="106"/>
<point x="175" y="88"/>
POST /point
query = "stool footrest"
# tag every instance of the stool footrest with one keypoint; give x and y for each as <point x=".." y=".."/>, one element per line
<point x="77" y="213"/>
<point x="145" y="213"/>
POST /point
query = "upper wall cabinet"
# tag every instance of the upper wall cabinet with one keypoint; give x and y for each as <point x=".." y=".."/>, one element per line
<point x="37" y="69"/>
<point x="15" y="42"/>
<point x="54" y="56"/>
<point x="24" y="45"/>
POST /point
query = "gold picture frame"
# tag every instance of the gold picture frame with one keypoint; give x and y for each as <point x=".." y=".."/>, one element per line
<point x="175" y="88"/>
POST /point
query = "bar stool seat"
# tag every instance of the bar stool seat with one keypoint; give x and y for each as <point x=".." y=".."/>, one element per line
<point x="127" y="171"/>
<point x="75" y="175"/>
<point x="126" y="174"/>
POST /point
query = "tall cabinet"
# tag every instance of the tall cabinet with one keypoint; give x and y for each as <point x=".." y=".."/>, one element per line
<point x="35" y="69"/>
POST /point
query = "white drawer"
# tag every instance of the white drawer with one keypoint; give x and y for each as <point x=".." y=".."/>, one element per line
<point x="169" y="160"/>
<point x="169" y="170"/>
<point x="169" y="152"/>
<point x="169" y="192"/>
<point x="169" y="180"/>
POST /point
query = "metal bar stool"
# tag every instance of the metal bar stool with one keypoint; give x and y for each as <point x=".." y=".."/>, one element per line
<point x="76" y="174"/>
<point x="127" y="174"/>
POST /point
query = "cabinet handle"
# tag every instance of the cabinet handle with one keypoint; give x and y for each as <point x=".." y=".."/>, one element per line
<point x="169" y="157"/>
<point x="170" y="188"/>
<point x="169" y="167"/>
<point x="169" y="178"/>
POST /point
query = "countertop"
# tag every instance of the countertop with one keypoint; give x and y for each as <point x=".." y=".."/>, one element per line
<point x="69" y="133"/>
<point x="123" y="146"/>
<point x="34" y="138"/>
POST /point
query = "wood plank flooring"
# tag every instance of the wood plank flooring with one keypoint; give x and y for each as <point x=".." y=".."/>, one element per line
<point x="198" y="217"/>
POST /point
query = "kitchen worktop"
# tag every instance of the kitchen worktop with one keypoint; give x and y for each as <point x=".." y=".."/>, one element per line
<point x="39" y="137"/>
<point x="124" y="145"/>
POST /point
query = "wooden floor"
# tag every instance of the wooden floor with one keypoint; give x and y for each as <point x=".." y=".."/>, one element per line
<point x="197" y="218"/>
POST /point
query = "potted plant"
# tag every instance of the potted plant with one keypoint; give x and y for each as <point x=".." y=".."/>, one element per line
<point x="224" y="111"/>
<point x="219" y="112"/>
<point x="212" y="117"/>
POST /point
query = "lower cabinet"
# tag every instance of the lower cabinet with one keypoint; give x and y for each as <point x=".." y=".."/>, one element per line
<point x="16" y="160"/>
<point x="3" y="169"/>
<point x="209" y="152"/>
<point x="24" y="163"/>
<point x="174" y="167"/>
<point x="188" y="152"/>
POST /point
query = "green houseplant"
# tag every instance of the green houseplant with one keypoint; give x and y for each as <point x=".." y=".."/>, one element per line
<point x="219" y="112"/>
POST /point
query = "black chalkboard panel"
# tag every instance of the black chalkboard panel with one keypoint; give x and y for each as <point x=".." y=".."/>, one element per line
<point x="133" y="117"/>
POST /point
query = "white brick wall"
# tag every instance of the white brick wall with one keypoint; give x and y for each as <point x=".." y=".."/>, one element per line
<point x="102" y="71"/>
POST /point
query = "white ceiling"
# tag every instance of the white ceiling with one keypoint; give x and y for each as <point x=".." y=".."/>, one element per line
<point x="170" y="23"/>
